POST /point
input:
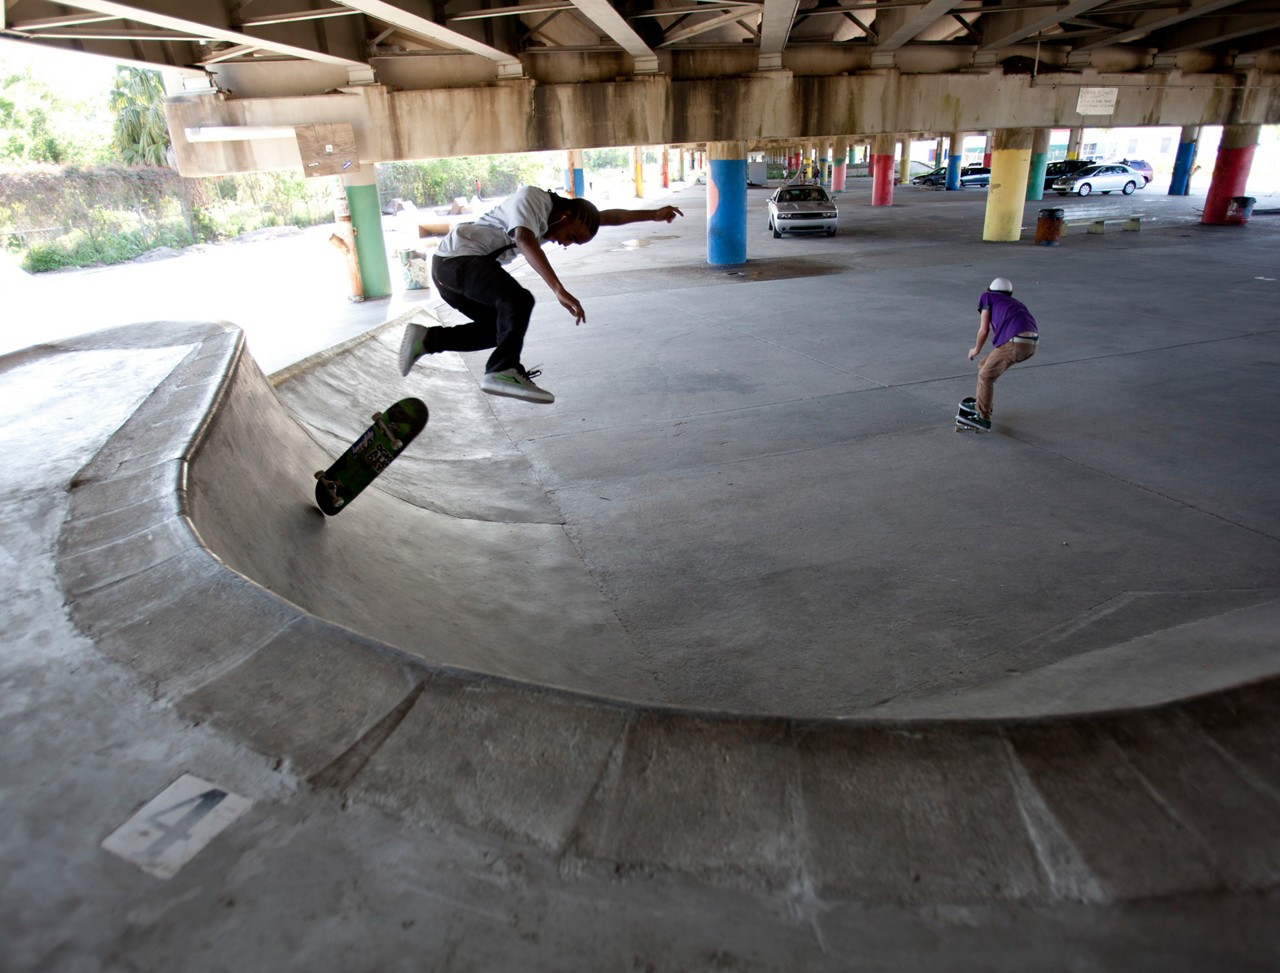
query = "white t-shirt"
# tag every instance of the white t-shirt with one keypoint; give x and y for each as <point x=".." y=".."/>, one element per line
<point x="528" y="207"/>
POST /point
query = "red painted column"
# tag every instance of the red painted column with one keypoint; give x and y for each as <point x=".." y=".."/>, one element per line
<point x="882" y="171"/>
<point x="1230" y="170"/>
<point x="839" y="161"/>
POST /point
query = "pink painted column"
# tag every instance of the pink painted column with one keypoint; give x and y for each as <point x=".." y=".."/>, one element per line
<point x="882" y="170"/>
<point x="1230" y="171"/>
<point x="838" y="165"/>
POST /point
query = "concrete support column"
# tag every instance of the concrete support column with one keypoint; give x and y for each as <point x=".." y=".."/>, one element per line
<point x="955" y="159"/>
<point x="1039" y="162"/>
<point x="1073" y="143"/>
<point x="839" y="164"/>
<point x="680" y="165"/>
<point x="366" y="226"/>
<point x="986" y="152"/>
<point x="1010" y="161"/>
<point x="882" y="171"/>
<point x="1185" y="161"/>
<point x="727" y="203"/>
<point x="1230" y="170"/>
<point x="637" y="164"/>
<point x="664" y="167"/>
<point x="574" y="177"/>
<point x="904" y="167"/>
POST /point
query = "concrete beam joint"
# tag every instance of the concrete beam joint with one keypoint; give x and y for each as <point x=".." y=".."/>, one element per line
<point x="238" y="133"/>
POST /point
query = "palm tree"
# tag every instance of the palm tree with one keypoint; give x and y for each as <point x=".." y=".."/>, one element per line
<point x="141" y="135"/>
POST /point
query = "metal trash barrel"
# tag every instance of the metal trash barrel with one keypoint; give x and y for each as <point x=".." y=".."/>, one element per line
<point x="1049" y="227"/>
<point x="1239" y="210"/>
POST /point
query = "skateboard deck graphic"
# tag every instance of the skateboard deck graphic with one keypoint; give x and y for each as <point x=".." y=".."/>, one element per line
<point x="968" y="409"/>
<point x="369" y="455"/>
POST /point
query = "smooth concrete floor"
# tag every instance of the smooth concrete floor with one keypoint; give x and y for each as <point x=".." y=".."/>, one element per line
<point x="756" y="467"/>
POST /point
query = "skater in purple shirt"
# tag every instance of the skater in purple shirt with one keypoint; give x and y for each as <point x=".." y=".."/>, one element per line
<point x="1013" y="335"/>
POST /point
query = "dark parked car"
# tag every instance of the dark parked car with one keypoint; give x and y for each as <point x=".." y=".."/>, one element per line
<point x="936" y="177"/>
<point x="1143" y="167"/>
<point x="1064" y="167"/>
<point x="969" y="176"/>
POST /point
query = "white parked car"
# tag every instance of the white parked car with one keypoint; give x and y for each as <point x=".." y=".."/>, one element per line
<point x="802" y="209"/>
<point x="1101" y="179"/>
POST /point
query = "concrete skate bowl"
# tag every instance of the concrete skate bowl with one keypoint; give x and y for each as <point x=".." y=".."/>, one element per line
<point x="193" y="555"/>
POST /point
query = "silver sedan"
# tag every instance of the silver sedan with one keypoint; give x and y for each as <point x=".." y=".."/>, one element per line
<point x="1100" y="179"/>
<point x="796" y="209"/>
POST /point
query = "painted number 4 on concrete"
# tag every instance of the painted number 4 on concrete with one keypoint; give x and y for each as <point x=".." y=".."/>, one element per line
<point x="173" y="828"/>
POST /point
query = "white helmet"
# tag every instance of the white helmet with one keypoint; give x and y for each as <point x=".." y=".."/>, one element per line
<point x="1002" y="285"/>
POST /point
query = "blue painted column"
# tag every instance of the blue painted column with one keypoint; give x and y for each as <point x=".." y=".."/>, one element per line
<point x="726" y="203"/>
<point x="955" y="159"/>
<point x="1185" y="161"/>
<point x="574" y="179"/>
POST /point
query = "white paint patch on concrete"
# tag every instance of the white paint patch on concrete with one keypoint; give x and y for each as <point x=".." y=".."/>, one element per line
<point x="176" y="825"/>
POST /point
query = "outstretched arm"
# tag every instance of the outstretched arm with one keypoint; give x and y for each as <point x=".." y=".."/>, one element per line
<point x="617" y="217"/>
<point x="532" y="251"/>
<point x="984" y="329"/>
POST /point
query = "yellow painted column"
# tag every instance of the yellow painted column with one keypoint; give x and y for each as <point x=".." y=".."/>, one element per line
<point x="1074" y="138"/>
<point x="1006" y="199"/>
<point x="637" y="158"/>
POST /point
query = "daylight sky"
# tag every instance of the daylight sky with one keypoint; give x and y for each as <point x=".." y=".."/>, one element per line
<point x="76" y="75"/>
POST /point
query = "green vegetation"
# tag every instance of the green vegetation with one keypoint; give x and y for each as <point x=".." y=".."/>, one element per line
<point x="86" y="182"/>
<point x="444" y="180"/>
<point x="37" y="126"/>
<point x="141" y="134"/>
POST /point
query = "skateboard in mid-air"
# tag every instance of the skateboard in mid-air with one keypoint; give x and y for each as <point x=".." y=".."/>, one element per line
<point x="369" y="455"/>
<point x="967" y="418"/>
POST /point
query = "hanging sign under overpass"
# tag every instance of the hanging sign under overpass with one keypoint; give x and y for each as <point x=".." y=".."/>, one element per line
<point x="1097" y="101"/>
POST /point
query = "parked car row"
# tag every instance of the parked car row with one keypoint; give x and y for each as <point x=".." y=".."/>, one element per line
<point x="969" y="176"/>
<point x="808" y="208"/>
<point x="1055" y="173"/>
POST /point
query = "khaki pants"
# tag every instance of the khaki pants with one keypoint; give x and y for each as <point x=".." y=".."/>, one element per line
<point x="997" y="363"/>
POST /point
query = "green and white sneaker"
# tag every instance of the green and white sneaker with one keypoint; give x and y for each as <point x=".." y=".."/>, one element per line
<point x="412" y="346"/>
<point x="975" y="422"/>
<point x="515" y="383"/>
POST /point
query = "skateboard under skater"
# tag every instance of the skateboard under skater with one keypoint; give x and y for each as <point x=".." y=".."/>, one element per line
<point x="967" y="418"/>
<point x="369" y="455"/>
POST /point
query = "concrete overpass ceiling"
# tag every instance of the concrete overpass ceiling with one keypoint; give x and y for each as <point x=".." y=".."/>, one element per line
<point x="593" y="40"/>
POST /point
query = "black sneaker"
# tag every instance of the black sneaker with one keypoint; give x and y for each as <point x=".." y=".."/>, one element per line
<point x="975" y="421"/>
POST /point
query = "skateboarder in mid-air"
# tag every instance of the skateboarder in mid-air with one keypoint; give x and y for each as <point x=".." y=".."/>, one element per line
<point x="468" y="274"/>
<point x="1013" y="335"/>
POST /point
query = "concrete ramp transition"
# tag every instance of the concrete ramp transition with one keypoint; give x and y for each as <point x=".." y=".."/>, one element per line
<point x="452" y="662"/>
<point x="492" y="586"/>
